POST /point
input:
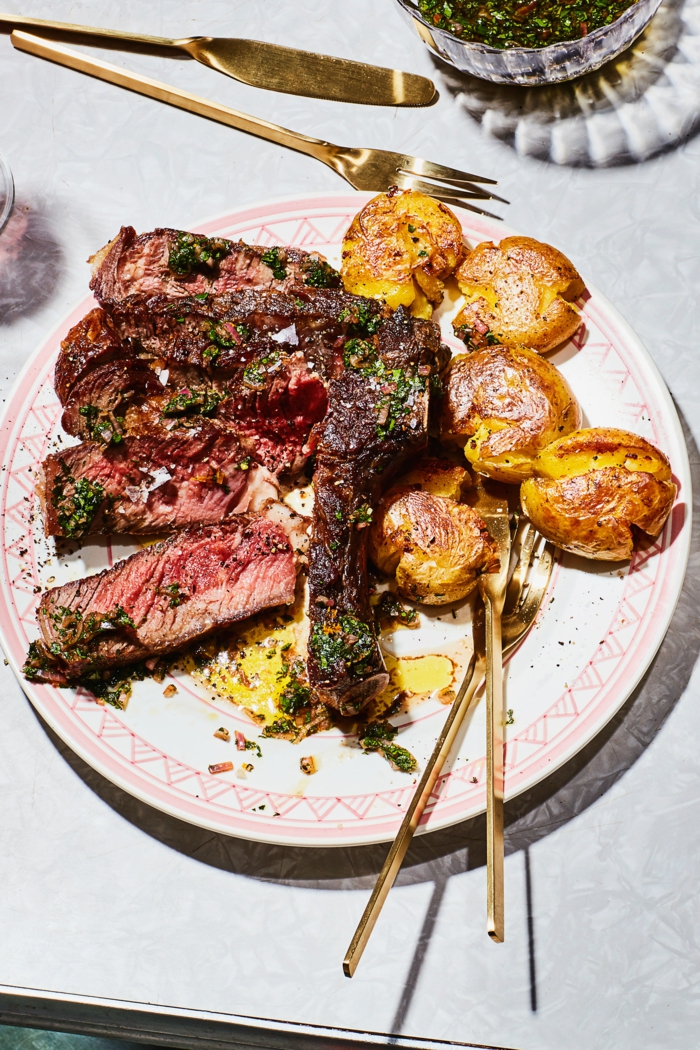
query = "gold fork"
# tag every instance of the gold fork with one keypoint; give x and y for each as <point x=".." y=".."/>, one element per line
<point x="492" y="505"/>
<point x="523" y="600"/>
<point x="365" y="169"/>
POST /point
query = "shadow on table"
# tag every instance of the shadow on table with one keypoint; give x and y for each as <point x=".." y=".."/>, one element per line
<point x="645" y="102"/>
<point x="31" y="261"/>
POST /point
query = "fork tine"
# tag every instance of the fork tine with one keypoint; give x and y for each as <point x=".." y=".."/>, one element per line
<point x="528" y="536"/>
<point x="468" y="192"/>
<point x="457" y="200"/>
<point x="418" y="166"/>
<point x="539" y="580"/>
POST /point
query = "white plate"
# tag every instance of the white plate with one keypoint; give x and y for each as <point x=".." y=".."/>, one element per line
<point x="599" y="630"/>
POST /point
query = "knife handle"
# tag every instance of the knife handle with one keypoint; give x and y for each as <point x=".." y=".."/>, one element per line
<point x="20" y="22"/>
<point x="494" y="771"/>
<point x="42" y="48"/>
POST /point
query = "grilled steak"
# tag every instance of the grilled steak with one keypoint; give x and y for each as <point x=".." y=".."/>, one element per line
<point x="377" y="419"/>
<point x="156" y="481"/>
<point x="177" y="263"/>
<point x="219" y="332"/>
<point x="97" y="404"/>
<point x="253" y="360"/>
<point x="91" y="342"/>
<point x="199" y="580"/>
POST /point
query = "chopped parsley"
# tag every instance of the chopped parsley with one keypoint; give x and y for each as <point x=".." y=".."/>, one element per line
<point x="363" y="317"/>
<point x="362" y="515"/>
<point x="360" y="354"/>
<point x="512" y="23"/>
<point x="319" y="274"/>
<point x="188" y="402"/>
<point x="379" y="736"/>
<point x="297" y="693"/>
<point x="192" y="252"/>
<point x="277" y="264"/>
<point x="77" y="509"/>
<point x="343" y="639"/>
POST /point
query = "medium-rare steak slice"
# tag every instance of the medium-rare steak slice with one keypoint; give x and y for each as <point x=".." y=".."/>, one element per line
<point x="156" y="481"/>
<point x="377" y="420"/>
<point x="197" y="581"/>
<point x="178" y="263"/>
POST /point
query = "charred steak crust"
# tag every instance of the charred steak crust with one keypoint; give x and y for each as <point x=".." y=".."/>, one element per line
<point x="200" y="580"/>
<point x="152" y="482"/>
<point x="377" y="420"/>
<point x="97" y="404"/>
<point x="218" y="332"/>
<point x="91" y="342"/>
<point x="177" y="263"/>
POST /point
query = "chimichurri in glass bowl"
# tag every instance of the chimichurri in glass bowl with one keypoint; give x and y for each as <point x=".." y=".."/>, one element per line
<point x="528" y="42"/>
<point x="512" y="23"/>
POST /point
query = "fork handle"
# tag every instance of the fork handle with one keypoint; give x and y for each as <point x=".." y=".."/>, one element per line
<point x="20" y="22"/>
<point x="173" y="96"/>
<point x="494" y="772"/>
<point x="472" y="680"/>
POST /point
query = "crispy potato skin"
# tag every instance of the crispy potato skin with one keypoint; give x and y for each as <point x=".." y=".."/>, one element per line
<point x="518" y="292"/>
<point x="435" y="545"/>
<point x="505" y="404"/>
<point x="593" y="486"/>
<point x="384" y="259"/>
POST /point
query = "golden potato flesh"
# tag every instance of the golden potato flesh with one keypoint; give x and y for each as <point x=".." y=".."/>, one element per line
<point x="505" y="404"/>
<point x="435" y="546"/>
<point x="594" y="487"/>
<point x="401" y="247"/>
<point x="439" y="477"/>
<point x="517" y="292"/>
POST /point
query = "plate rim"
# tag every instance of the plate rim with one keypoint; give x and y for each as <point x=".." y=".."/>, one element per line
<point x="110" y="769"/>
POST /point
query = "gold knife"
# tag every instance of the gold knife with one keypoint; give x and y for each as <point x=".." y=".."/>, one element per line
<point x="263" y="65"/>
<point x="493" y="508"/>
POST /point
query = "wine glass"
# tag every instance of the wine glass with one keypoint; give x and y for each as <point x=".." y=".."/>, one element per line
<point x="7" y="192"/>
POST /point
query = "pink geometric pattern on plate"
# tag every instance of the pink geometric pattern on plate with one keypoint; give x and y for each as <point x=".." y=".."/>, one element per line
<point x="102" y="738"/>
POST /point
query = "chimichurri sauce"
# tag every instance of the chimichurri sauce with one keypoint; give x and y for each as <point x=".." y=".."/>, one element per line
<point x="510" y="23"/>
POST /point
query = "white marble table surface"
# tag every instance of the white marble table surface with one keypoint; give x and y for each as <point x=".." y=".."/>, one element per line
<point x="102" y="898"/>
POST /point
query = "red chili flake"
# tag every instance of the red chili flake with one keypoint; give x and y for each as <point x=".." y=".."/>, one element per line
<point x="584" y="29"/>
<point x="221" y="767"/>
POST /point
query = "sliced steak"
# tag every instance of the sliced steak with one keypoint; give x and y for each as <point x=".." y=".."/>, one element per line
<point x="91" y="342"/>
<point x="199" y="580"/>
<point x="220" y="332"/>
<point x="177" y="263"/>
<point x="377" y="420"/>
<point x="97" y="404"/>
<point x="153" y="482"/>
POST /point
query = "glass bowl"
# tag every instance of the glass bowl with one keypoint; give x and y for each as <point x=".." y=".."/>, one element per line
<point x="531" y="66"/>
<point x="7" y="191"/>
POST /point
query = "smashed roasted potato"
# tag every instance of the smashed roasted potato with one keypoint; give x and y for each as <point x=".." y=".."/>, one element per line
<point x="401" y="247"/>
<point x="439" y="477"/>
<point x="518" y="292"/>
<point x="592" y="489"/>
<point x="436" y="546"/>
<point x="505" y="404"/>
